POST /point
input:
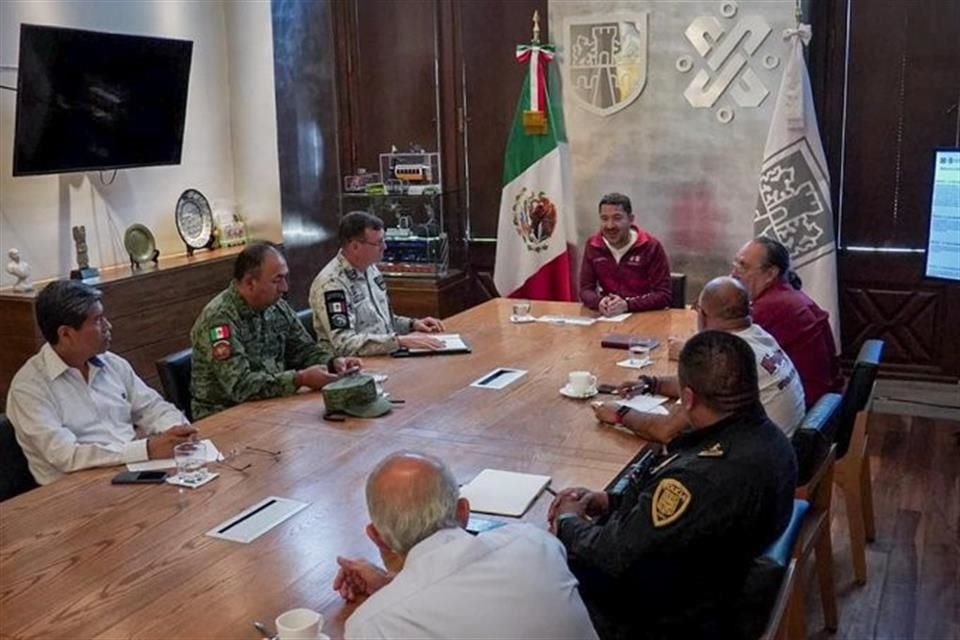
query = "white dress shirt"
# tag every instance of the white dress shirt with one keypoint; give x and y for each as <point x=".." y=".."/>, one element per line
<point x="511" y="582"/>
<point x="781" y="391"/>
<point x="65" y="423"/>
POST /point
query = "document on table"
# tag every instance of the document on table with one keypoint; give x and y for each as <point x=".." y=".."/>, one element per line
<point x="213" y="455"/>
<point x="452" y="343"/>
<point x="504" y="493"/>
<point x="646" y="404"/>
<point x="618" y="318"/>
<point x="561" y="319"/>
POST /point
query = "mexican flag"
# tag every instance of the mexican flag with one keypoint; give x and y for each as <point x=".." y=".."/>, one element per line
<point x="793" y="205"/>
<point x="536" y="236"/>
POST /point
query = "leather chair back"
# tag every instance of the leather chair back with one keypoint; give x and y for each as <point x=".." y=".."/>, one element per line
<point x="306" y="319"/>
<point x="15" y="476"/>
<point x="678" y="285"/>
<point x="857" y="393"/>
<point x="814" y="435"/>
<point x="174" y="371"/>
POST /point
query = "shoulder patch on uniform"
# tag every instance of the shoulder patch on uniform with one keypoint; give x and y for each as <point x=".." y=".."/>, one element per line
<point x="336" y="305"/>
<point x="670" y="501"/>
<point x="713" y="451"/>
<point x="221" y="350"/>
<point x="220" y="332"/>
<point x="381" y="282"/>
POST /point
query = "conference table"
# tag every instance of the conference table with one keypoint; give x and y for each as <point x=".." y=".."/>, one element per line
<point x="82" y="558"/>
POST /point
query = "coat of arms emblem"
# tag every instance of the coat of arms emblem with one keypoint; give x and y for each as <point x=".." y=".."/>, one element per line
<point x="606" y="61"/>
<point x="534" y="218"/>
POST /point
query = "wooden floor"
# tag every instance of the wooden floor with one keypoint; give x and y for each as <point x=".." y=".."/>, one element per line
<point x="913" y="567"/>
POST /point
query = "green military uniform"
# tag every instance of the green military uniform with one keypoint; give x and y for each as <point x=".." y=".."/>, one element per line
<point x="240" y="354"/>
<point x="670" y="558"/>
<point x="351" y="312"/>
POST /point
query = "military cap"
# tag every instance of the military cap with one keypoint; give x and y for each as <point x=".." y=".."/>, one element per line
<point x="355" y="395"/>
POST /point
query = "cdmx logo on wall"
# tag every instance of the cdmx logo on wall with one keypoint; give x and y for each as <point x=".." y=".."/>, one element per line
<point x="606" y="65"/>
<point x="726" y="46"/>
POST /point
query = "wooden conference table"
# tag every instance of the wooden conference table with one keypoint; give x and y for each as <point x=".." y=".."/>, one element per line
<point x="86" y="559"/>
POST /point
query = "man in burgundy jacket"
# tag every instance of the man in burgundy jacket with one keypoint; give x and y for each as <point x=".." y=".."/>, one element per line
<point x="624" y="267"/>
<point x="788" y="314"/>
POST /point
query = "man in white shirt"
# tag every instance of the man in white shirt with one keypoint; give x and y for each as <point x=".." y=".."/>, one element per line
<point x="74" y="405"/>
<point x="510" y="582"/>
<point x="723" y="305"/>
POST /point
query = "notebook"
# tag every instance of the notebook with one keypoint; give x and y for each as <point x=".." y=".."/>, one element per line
<point x="504" y="493"/>
<point x="452" y="343"/>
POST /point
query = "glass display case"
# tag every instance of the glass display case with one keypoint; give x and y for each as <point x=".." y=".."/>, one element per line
<point x="416" y="235"/>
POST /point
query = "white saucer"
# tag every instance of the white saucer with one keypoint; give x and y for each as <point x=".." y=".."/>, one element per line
<point x="629" y="364"/>
<point x="565" y="390"/>
<point x="522" y="319"/>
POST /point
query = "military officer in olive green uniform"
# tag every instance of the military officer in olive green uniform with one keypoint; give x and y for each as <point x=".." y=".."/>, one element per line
<point x="351" y="311"/>
<point x="668" y="557"/>
<point x="248" y="343"/>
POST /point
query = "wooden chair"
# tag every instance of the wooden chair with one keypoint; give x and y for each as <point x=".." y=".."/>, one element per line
<point x="814" y="540"/>
<point x="778" y="623"/>
<point x="15" y="476"/>
<point x="174" y="371"/>
<point x="853" y="464"/>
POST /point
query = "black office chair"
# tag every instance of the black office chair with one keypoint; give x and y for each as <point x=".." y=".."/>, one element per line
<point x="174" y="371"/>
<point x="813" y="437"/>
<point x="857" y="393"/>
<point x="678" y="285"/>
<point x="306" y="319"/>
<point x="15" y="476"/>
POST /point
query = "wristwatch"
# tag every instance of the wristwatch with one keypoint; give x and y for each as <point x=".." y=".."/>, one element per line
<point x="622" y="412"/>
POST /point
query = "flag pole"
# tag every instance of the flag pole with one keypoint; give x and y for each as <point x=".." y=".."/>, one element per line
<point x="536" y="27"/>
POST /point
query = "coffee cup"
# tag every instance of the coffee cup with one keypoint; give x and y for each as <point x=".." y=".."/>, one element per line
<point x="299" y="624"/>
<point x="581" y="381"/>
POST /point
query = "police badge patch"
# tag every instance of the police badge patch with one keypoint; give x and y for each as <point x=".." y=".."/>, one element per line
<point x="336" y="303"/>
<point x="670" y="500"/>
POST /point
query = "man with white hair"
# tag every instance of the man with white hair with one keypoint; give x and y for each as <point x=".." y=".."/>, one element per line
<point x="508" y="582"/>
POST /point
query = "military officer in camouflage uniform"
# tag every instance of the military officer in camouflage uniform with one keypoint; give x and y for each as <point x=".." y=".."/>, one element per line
<point x="668" y="557"/>
<point x="248" y="343"/>
<point x="351" y="311"/>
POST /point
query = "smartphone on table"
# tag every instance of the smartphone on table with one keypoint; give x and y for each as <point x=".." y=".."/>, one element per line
<point x="139" y="477"/>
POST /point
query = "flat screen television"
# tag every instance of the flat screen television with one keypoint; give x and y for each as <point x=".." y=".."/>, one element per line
<point x="89" y="100"/>
<point x="943" y="242"/>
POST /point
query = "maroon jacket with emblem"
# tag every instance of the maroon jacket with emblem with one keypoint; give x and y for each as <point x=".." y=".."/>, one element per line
<point x="642" y="277"/>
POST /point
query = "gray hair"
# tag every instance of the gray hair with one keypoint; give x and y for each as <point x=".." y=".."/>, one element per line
<point x="405" y="513"/>
<point x="64" y="303"/>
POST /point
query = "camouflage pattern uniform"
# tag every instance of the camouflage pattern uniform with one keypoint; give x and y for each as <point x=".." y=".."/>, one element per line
<point x="240" y="354"/>
<point x="351" y="312"/>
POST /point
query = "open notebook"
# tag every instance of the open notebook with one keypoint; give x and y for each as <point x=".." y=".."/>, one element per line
<point x="504" y="493"/>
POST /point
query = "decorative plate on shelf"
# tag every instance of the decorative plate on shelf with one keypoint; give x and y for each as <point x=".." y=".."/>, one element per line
<point x="194" y="219"/>
<point x="140" y="243"/>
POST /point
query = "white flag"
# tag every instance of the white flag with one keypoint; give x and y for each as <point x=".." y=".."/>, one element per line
<point x="794" y="201"/>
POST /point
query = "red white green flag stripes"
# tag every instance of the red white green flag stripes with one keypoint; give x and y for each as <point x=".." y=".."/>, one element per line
<point x="536" y="234"/>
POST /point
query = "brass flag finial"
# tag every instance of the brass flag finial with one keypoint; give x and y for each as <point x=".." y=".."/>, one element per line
<point x="536" y="27"/>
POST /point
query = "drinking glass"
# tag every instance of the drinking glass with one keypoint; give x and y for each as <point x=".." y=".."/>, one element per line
<point x="521" y="309"/>
<point x="191" y="459"/>
<point x="639" y="352"/>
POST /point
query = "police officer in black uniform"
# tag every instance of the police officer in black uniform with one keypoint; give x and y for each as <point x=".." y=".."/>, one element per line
<point x="668" y="557"/>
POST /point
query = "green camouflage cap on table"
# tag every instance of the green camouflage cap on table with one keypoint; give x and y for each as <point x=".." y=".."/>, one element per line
<point x="355" y="395"/>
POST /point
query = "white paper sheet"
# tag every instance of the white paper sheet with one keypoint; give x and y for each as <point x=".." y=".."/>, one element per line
<point x="646" y="404"/>
<point x="213" y="455"/>
<point x="505" y="493"/>
<point x="451" y="342"/>
<point x="560" y="319"/>
<point x="619" y="318"/>
<point x="630" y="364"/>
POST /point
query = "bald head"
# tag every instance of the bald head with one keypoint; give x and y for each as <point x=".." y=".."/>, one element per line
<point x="725" y="304"/>
<point x="411" y="496"/>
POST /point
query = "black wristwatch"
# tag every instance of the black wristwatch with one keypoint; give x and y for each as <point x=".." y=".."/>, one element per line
<point x="622" y="412"/>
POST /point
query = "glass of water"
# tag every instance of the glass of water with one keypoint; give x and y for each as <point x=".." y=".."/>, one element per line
<point x="521" y="309"/>
<point x="639" y="352"/>
<point x="191" y="459"/>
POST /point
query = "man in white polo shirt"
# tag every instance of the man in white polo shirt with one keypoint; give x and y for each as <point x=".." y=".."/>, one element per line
<point x="510" y="582"/>
<point x="74" y="405"/>
<point x="723" y="305"/>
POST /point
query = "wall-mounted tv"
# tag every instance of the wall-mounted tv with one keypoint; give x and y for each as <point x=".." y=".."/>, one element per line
<point x="943" y="243"/>
<point x="89" y="100"/>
